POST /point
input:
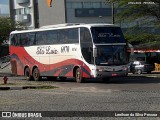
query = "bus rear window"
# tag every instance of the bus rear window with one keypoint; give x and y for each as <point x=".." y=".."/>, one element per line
<point x="107" y="35"/>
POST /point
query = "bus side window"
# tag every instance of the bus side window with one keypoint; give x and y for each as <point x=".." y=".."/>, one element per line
<point x="41" y="38"/>
<point x="63" y="36"/>
<point x="24" y="39"/>
<point x="53" y="37"/>
<point x="15" y="39"/>
<point x="31" y="39"/>
<point x="86" y="44"/>
<point x="73" y="35"/>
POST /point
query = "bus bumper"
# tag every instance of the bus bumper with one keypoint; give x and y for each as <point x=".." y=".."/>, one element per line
<point x="111" y="74"/>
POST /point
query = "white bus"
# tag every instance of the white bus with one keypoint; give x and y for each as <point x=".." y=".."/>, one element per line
<point x="70" y="50"/>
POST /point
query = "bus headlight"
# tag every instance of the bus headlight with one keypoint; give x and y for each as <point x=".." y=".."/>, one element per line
<point x="125" y="68"/>
<point x="100" y="70"/>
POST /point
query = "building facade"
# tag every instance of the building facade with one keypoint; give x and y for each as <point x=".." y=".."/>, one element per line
<point x="24" y="11"/>
<point x="37" y="13"/>
<point x="74" y="11"/>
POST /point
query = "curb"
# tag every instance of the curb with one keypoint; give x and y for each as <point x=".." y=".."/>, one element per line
<point x="8" y="75"/>
<point x="4" y="88"/>
<point x="16" y="88"/>
<point x="26" y="87"/>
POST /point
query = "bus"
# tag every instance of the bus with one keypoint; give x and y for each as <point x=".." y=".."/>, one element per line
<point x="81" y="51"/>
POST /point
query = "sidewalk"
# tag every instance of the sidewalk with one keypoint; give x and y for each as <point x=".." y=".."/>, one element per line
<point x="5" y="70"/>
<point x="19" y="83"/>
<point x="156" y="72"/>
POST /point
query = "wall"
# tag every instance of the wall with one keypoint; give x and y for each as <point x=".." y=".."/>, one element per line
<point x="51" y="15"/>
<point x="71" y="18"/>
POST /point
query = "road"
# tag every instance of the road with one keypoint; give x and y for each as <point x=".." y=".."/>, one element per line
<point x="133" y="93"/>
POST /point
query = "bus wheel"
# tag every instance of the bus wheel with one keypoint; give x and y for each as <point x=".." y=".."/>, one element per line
<point x="78" y="76"/>
<point x="27" y="74"/>
<point x="36" y="74"/>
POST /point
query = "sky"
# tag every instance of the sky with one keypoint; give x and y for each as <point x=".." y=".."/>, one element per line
<point x="4" y="6"/>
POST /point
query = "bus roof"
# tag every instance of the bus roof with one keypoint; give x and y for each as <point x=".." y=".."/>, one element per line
<point x="63" y="26"/>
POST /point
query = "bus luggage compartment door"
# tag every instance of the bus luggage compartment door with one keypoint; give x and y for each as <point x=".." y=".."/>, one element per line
<point x="14" y="67"/>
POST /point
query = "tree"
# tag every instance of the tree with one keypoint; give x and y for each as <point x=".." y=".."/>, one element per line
<point x="146" y="15"/>
<point x="6" y="26"/>
<point x="145" y="9"/>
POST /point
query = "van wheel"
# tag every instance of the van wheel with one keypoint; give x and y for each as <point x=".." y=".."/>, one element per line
<point x="27" y="74"/>
<point x="139" y="72"/>
<point x="36" y="74"/>
<point x="78" y="76"/>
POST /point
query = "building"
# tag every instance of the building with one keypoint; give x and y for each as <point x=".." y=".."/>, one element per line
<point x="24" y="11"/>
<point x="37" y="13"/>
<point x="74" y="11"/>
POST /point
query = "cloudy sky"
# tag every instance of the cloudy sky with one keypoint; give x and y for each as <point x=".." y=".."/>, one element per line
<point x="4" y="7"/>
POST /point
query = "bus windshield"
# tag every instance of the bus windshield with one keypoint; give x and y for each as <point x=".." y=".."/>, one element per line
<point x="107" y="35"/>
<point x="111" y="55"/>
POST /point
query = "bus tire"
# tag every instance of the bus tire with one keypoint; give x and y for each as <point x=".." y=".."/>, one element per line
<point x="78" y="76"/>
<point x="36" y="74"/>
<point x="27" y="74"/>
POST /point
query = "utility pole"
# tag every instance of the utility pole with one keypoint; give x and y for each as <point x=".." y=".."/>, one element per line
<point x="113" y="13"/>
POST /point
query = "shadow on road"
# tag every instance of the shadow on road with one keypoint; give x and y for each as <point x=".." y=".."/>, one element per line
<point x="116" y="80"/>
<point x="134" y="80"/>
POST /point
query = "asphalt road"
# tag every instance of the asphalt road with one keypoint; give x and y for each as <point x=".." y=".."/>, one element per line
<point x="133" y="93"/>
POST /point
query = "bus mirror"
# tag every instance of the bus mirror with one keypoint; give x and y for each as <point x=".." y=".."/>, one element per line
<point x="94" y="52"/>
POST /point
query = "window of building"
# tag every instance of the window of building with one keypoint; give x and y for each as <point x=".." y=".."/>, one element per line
<point x="91" y="11"/>
<point x="72" y="5"/>
<point x="106" y="5"/>
<point x="69" y="5"/>
<point x="87" y="5"/>
<point x="96" y="5"/>
<point x="19" y="11"/>
<point x="27" y="10"/>
<point x="76" y="5"/>
<point x="91" y="4"/>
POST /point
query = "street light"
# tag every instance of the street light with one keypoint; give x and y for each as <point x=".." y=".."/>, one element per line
<point x="112" y="13"/>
